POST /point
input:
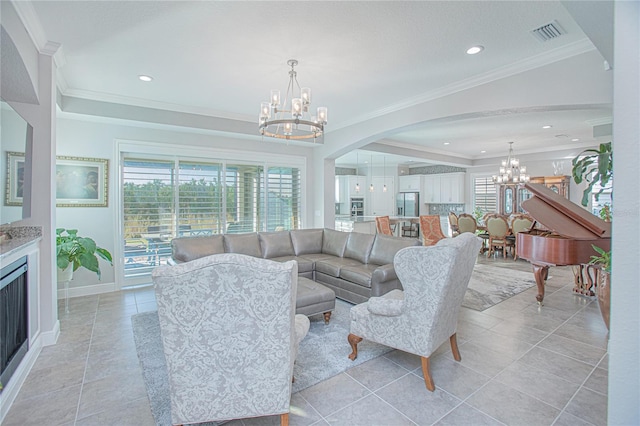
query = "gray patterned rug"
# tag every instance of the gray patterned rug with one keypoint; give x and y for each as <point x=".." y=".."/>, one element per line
<point x="491" y="285"/>
<point x="322" y="354"/>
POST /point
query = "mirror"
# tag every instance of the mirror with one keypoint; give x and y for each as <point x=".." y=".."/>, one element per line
<point x="15" y="165"/>
<point x="508" y="200"/>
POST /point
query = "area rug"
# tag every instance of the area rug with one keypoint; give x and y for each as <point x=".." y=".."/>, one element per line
<point x="321" y="355"/>
<point x="490" y="285"/>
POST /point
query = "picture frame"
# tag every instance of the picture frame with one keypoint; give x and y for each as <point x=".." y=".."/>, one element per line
<point x="15" y="178"/>
<point x="80" y="181"/>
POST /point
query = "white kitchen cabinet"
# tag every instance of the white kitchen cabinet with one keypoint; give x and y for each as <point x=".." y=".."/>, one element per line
<point x="445" y="188"/>
<point x="382" y="203"/>
<point x="452" y="188"/>
<point x="430" y="193"/>
<point x="409" y="183"/>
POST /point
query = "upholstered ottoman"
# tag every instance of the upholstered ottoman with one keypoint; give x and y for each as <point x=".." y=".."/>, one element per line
<point x="314" y="298"/>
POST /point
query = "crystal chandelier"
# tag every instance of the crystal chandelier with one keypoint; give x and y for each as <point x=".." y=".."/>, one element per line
<point x="289" y="118"/>
<point x="511" y="171"/>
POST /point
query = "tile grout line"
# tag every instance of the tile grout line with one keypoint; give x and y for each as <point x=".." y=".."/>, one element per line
<point x="86" y="362"/>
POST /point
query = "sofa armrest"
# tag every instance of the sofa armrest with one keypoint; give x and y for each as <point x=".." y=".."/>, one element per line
<point x="384" y="273"/>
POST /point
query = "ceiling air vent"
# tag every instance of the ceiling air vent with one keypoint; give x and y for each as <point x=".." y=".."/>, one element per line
<point x="550" y="31"/>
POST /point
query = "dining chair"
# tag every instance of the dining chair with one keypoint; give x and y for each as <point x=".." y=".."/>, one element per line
<point x="498" y="229"/>
<point x="430" y="229"/>
<point x="521" y="223"/>
<point x="467" y="223"/>
<point x="453" y="223"/>
<point x="383" y="226"/>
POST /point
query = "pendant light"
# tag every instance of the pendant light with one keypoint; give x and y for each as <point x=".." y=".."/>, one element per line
<point x="371" y="174"/>
<point x="357" y="174"/>
<point x="384" y="174"/>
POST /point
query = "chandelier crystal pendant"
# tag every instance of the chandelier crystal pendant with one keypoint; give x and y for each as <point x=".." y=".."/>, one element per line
<point x="511" y="171"/>
<point x="290" y="117"/>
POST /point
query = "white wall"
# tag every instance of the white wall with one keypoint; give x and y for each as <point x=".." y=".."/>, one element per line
<point x="97" y="139"/>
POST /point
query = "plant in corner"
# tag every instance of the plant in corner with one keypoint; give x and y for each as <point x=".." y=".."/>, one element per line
<point x="595" y="166"/>
<point x="73" y="252"/>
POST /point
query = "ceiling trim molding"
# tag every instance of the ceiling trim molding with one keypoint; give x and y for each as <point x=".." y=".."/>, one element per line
<point x="537" y="61"/>
<point x="144" y="103"/>
<point x="31" y="22"/>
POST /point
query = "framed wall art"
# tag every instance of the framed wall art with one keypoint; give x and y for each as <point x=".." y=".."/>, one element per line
<point x="15" y="178"/>
<point x="80" y="182"/>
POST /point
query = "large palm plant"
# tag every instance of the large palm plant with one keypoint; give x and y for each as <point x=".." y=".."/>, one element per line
<point x="595" y="166"/>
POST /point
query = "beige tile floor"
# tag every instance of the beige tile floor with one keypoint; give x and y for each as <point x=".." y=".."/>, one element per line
<point x="521" y="365"/>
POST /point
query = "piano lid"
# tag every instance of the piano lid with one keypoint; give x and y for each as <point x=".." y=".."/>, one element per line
<point x="563" y="216"/>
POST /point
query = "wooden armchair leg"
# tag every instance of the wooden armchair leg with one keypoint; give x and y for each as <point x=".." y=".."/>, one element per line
<point x="454" y="347"/>
<point x="353" y="341"/>
<point x="284" y="419"/>
<point x="327" y="317"/>
<point x="428" y="380"/>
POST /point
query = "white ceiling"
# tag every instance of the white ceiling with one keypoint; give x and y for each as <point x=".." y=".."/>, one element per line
<point x="220" y="59"/>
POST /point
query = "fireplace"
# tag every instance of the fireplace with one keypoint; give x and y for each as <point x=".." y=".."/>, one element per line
<point x="14" y="319"/>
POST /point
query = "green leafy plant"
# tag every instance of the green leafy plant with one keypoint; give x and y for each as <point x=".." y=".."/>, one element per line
<point x="605" y="212"/>
<point x="594" y="166"/>
<point x="79" y="251"/>
<point x="603" y="258"/>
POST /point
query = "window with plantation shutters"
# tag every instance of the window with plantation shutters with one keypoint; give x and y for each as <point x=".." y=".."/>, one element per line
<point x="283" y="198"/>
<point x="165" y="199"/>
<point x="484" y="194"/>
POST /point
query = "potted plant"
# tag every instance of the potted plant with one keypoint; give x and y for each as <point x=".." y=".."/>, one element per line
<point x="73" y="252"/>
<point x="603" y="262"/>
<point x="595" y="166"/>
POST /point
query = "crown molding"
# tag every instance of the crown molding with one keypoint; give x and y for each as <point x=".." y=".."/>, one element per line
<point x="145" y="103"/>
<point x="31" y="22"/>
<point x="533" y="62"/>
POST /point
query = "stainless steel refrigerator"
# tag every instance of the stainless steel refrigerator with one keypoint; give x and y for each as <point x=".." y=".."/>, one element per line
<point x="408" y="204"/>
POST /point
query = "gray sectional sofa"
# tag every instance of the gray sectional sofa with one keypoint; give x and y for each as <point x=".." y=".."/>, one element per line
<point x="355" y="266"/>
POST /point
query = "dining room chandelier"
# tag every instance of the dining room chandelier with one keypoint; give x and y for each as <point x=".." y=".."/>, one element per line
<point x="511" y="171"/>
<point x="290" y="117"/>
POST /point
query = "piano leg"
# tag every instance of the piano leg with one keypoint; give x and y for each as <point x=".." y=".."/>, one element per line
<point x="540" y="272"/>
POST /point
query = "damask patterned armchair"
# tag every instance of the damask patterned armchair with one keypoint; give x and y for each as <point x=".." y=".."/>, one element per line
<point x="423" y="316"/>
<point x="230" y="336"/>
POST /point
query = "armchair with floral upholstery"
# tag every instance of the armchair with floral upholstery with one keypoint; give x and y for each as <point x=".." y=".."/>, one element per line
<point x="230" y="336"/>
<point x="383" y="225"/>
<point x="423" y="316"/>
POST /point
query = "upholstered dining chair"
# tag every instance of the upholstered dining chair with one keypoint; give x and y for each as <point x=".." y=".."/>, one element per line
<point x="383" y="225"/>
<point x="520" y="223"/>
<point x="230" y="336"/>
<point x="498" y="230"/>
<point x="430" y="229"/>
<point x="424" y="315"/>
<point x="453" y="223"/>
<point x="467" y="223"/>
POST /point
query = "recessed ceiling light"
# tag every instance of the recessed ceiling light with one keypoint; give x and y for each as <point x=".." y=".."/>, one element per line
<point x="547" y="126"/>
<point x="145" y="78"/>
<point x="483" y="151"/>
<point x="475" y="49"/>
<point x="447" y="143"/>
<point x="575" y="140"/>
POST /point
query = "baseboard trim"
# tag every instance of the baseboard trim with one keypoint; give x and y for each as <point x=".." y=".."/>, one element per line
<point x="88" y="290"/>
<point x="49" y="338"/>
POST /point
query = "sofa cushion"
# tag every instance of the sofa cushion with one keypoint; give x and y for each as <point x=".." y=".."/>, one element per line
<point x="385" y="248"/>
<point x="359" y="274"/>
<point x="359" y="246"/>
<point x="275" y="244"/>
<point x="186" y="249"/>
<point x="334" y="242"/>
<point x="306" y="241"/>
<point x="242" y="244"/>
<point x="332" y="265"/>
<point x="304" y="265"/>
